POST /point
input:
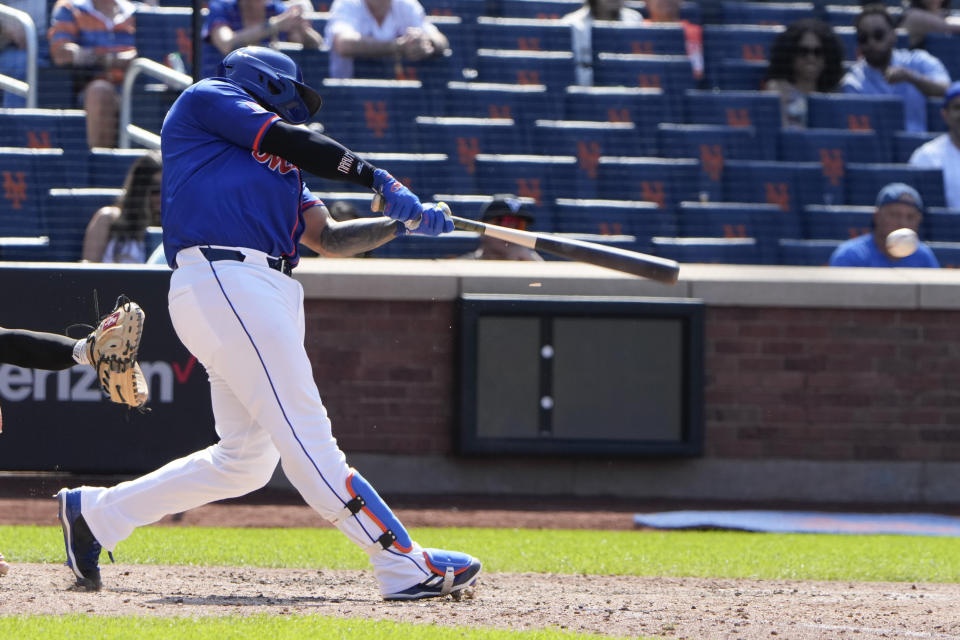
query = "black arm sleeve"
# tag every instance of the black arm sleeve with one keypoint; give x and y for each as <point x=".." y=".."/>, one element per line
<point x="314" y="152"/>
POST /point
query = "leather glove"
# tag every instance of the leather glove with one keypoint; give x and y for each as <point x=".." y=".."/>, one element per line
<point x="399" y="202"/>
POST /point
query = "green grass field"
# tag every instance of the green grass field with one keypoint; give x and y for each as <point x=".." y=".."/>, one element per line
<point x="701" y="554"/>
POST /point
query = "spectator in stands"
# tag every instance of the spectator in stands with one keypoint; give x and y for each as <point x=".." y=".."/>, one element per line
<point x="921" y="17"/>
<point x="231" y="24"/>
<point x="883" y="70"/>
<point x="804" y="59"/>
<point x="391" y="29"/>
<point x="669" y="11"/>
<point x="95" y="38"/>
<point x="13" y="43"/>
<point x="943" y="152"/>
<point x="581" y="28"/>
<point x="505" y="210"/>
<point x="899" y="206"/>
<point x="117" y="233"/>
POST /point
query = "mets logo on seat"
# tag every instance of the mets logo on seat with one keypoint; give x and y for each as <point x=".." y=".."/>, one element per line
<point x="15" y="188"/>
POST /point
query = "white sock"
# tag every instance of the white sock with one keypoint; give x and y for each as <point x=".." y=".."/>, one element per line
<point x="80" y="352"/>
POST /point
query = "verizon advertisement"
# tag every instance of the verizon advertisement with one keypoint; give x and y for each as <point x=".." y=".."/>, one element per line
<point x="60" y="420"/>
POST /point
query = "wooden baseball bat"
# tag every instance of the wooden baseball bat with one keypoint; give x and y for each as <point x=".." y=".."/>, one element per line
<point x="638" y="264"/>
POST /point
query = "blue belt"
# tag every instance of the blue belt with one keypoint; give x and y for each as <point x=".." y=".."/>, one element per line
<point x="213" y="255"/>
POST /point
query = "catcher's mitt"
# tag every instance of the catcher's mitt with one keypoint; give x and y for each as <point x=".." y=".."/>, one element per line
<point x="112" y="349"/>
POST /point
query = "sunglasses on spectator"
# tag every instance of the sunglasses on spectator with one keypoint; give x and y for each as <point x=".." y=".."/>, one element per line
<point x="514" y="222"/>
<point x="809" y="51"/>
<point x="878" y="35"/>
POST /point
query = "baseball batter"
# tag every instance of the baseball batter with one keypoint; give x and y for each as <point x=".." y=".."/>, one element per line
<point x="234" y="209"/>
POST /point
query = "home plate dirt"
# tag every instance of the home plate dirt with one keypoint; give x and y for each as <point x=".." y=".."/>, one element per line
<point x="618" y="606"/>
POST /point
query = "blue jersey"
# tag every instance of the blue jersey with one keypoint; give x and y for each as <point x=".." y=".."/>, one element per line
<point x="863" y="251"/>
<point x="218" y="188"/>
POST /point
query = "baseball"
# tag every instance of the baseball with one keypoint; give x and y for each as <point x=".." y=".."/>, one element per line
<point x="902" y="242"/>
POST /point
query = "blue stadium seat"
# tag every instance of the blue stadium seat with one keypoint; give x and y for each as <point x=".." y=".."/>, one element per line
<point x="666" y="181"/>
<point x="883" y="114"/>
<point x="673" y="74"/>
<point x="434" y="73"/>
<point x="70" y="211"/>
<point x="23" y="248"/>
<point x="541" y="178"/>
<point x="44" y="128"/>
<point x="422" y="173"/>
<point x="707" y="250"/>
<point x="469" y="10"/>
<point x="836" y="222"/>
<point x="935" y="122"/>
<point x="108" y="167"/>
<point x="447" y="246"/>
<point x="806" y="253"/>
<point x="26" y="175"/>
<point x="941" y="224"/>
<point x="864" y="181"/>
<point x="587" y="140"/>
<point x="637" y="218"/>
<point x="763" y="222"/>
<point x="523" y="34"/>
<point x="360" y="200"/>
<point x="164" y="30"/>
<point x="906" y="142"/>
<point x="553" y="69"/>
<point x="946" y="47"/>
<point x="643" y="107"/>
<point x="651" y="38"/>
<point x="833" y="149"/>
<point x="741" y="75"/>
<point x="758" y="109"/>
<point x="523" y="103"/>
<point x="788" y="185"/>
<point x="947" y="253"/>
<point x="769" y="13"/>
<point x="540" y="9"/>
<point x="736" y="42"/>
<point x="459" y="31"/>
<point x="315" y="65"/>
<point x="372" y="115"/>
<point x="712" y="144"/>
<point x="461" y="139"/>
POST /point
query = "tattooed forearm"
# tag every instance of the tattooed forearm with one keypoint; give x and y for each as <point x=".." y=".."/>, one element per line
<point x="352" y="237"/>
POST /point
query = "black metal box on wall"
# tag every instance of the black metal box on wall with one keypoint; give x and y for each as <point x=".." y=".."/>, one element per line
<point x="60" y="421"/>
<point x="578" y="375"/>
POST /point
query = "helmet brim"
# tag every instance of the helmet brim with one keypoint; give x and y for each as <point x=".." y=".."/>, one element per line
<point x="310" y="97"/>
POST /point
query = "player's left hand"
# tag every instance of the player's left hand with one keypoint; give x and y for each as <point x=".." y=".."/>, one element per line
<point x="433" y="221"/>
<point x="400" y="203"/>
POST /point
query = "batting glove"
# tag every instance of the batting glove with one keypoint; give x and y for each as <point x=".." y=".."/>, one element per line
<point x="433" y="221"/>
<point x="400" y="203"/>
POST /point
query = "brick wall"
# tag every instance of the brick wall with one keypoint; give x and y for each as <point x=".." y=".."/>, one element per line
<point x="802" y="384"/>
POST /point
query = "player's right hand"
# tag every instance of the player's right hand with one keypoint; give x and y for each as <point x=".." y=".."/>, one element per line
<point x="400" y="203"/>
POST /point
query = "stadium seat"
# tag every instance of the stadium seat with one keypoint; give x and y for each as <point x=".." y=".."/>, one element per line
<point x="712" y="144"/>
<point x="741" y="75"/>
<point x="906" y="142"/>
<point x="650" y="38"/>
<point x="523" y="34"/>
<point x="460" y="34"/>
<point x="666" y="181"/>
<point x="164" y="30"/>
<point x="707" y="250"/>
<point x="461" y="139"/>
<point x="836" y="222"/>
<point x="737" y="42"/>
<point x="587" y="140"/>
<point x="945" y="47"/>
<point x="372" y="115"/>
<point x="23" y="248"/>
<point x="673" y="74"/>
<point x="541" y="178"/>
<point x="447" y="246"/>
<point x="883" y="114"/>
<point x="788" y="185"/>
<point x="108" y="167"/>
<point x="833" y="149"/>
<point x="941" y="224"/>
<point x="947" y="253"/>
<point x="44" y="128"/>
<point x="70" y="211"/>
<point x="315" y="65"/>
<point x="763" y="222"/>
<point x="769" y="13"/>
<point x="467" y="9"/>
<point x="26" y="176"/>
<point x="864" y="181"/>
<point x="434" y="73"/>
<point x="935" y="122"/>
<point x="758" y="109"/>
<point x="523" y="103"/>
<point x="553" y="69"/>
<point x="637" y="218"/>
<point x="539" y="9"/>
<point x="422" y="173"/>
<point x="806" y="253"/>
<point x="643" y="107"/>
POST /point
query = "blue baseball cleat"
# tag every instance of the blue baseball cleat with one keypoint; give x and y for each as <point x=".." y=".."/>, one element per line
<point x="83" y="550"/>
<point x="452" y="573"/>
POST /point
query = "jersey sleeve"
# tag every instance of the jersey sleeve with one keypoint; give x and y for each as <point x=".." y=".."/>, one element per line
<point x="307" y="199"/>
<point x="227" y="111"/>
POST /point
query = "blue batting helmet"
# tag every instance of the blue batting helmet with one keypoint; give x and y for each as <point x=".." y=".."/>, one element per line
<point x="274" y="79"/>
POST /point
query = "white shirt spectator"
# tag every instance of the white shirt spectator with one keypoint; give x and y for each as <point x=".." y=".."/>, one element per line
<point x="941" y="153"/>
<point x="581" y="28"/>
<point x="348" y="16"/>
